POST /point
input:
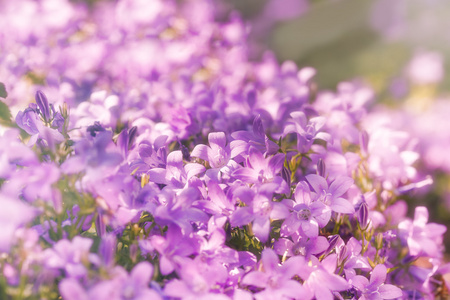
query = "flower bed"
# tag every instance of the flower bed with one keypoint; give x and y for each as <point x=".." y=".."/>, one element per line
<point x="157" y="161"/>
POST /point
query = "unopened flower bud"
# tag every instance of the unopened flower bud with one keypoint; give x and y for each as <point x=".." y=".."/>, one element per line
<point x="364" y="142"/>
<point x="379" y="241"/>
<point x="42" y="102"/>
<point x="286" y="175"/>
<point x="363" y="215"/>
<point x="321" y="169"/>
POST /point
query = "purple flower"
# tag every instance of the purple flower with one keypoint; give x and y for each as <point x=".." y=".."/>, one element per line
<point x="320" y="280"/>
<point x="276" y="279"/>
<point x="179" y="209"/>
<point x="147" y="156"/>
<point x="375" y="288"/>
<point x="331" y="194"/>
<point x="218" y="203"/>
<point x="259" y="170"/>
<point x="14" y="214"/>
<point x="259" y="211"/>
<point x="198" y="280"/>
<point x="306" y="215"/>
<point x="175" y="244"/>
<point x="133" y="286"/>
<point x="307" y="131"/>
<point x="299" y="245"/>
<point x="176" y="174"/>
<point x="70" y="256"/>
<point x="243" y="140"/>
<point x="93" y="155"/>
<point x="218" y="154"/>
<point x="421" y="237"/>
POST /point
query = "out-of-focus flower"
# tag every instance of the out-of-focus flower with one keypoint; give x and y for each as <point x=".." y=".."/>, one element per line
<point x="422" y="238"/>
<point x="331" y="194"/>
<point x="275" y="279"/>
<point x="375" y="288"/>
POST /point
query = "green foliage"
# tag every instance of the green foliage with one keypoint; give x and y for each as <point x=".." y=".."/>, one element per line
<point x="5" y="114"/>
<point x="3" y="93"/>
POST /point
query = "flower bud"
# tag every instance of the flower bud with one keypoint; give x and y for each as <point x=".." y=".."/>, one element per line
<point x="363" y="215"/>
<point x="42" y="103"/>
<point x="321" y="169"/>
<point x="379" y="241"/>
<point x="364" y="142"/>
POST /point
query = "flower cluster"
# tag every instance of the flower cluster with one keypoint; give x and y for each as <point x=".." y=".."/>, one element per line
<point x="159" y="162"/>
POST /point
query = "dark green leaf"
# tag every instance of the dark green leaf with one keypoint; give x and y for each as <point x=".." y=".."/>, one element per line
<point x="5" y="114"/>
<point x="3" y="93"/>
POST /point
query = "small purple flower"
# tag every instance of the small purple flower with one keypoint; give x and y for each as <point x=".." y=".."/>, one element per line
<point x="307" y="131"/>
<point x="70" y="256"/>
<point x="14" y="214"/>
<point x="175" y="244"/>
<point x="179" y="209"/>
<point x="320" y="280"/>
<point x="176" y="174"/>
<point x="331" y="194"/>
<point x="422" y="238"/>
<point x="259" y="211"/>
<point x="308" y="216"/>
<point x="375" y="288"/>
<point x="198" y="280"/>
<point x="243" y="140"/>
<point x="28" y="120"/>
<point x="299" y="245"/>
<point x="276" y="279"/>
<point x="259" y="170"/>
<point x="218" y="154"/>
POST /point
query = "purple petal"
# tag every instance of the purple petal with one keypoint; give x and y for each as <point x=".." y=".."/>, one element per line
<point x="258" y="127"/>
<point x="142" y="273"/>
<point x="256" y="278"/>
<point x="246" y="175"/>
<point x="70" y="289"/>
<point x="177" y="288"/>
<point x="270" y="261"/>
<point x="175" y="159"/>
<point x="310" y="229"/>
<point x="293" y="289"/>
<point x="276" y="163"/>
<point x="244" y="194"/>
<point x="340" y="185"/>
<point x="256" y="160"/>
<point x="261" y="228"/>
<point x="302" y="193"/>
<point x="242" y="216"/>
<point x="317" y="182"/>
<point x="335" y="282"/>
<point x="292" y="266"/>
<point x="389" y="291"/>
<point x="279" y="211"/>
<point x="201" y="151"/>
<point x="165" y="265"/>
<point x="217" y="140"/>
<point x="157" y="175"/>
<point x="421" y="216"/>
<point x="378" y="276"/>
<point x="237" y="147"/>
<point x="193" y="169"/>
<point x="360" y="282"/>
<point x="342" y="206"/>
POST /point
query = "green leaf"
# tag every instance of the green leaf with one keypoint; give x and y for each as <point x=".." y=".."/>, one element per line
<point x="5" y="114"/>
<point x="3" y="93"/>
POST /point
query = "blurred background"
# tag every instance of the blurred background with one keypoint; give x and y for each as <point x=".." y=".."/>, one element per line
<point x="373" y="40"/>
